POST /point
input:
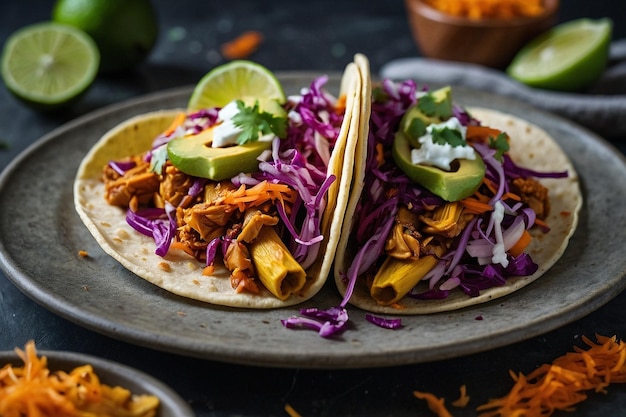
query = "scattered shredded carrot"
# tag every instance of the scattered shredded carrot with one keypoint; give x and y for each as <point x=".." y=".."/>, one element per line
<point x="435" y="404"/>
<point x="208" y="270"/>
<point x="83" y="253"/>
<point x="178" y="121"/>
<point x="563" y="383"/>
<point x="243" y="45"/>
<point x="35" y="390"/>
<point x="493" y="9"/>
<point x="464" y="399"/>
<point x="291" y="411"/>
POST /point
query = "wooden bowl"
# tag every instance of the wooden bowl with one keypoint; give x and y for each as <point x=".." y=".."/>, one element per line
<point x="489" y="42"/>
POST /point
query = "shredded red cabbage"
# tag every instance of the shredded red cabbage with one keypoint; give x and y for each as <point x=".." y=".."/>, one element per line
<point x="384" y="322"/>
<point x="328" y="323"/>
<point x="160" y="224"/>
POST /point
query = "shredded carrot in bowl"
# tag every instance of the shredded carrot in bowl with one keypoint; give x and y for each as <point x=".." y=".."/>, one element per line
<point x="489" y="9"/>
<point x="35" y="390"/>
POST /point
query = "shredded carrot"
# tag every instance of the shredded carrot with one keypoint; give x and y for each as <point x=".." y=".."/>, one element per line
<point x="208" y="270"/>
<point x="181" y="246"/>
<point x="481" y="134"/>
<point x="291" y="411"/>
<point x="521" y="244"/>
<point x="243" y="45"/>
<point x="493" y="9"/>
<point x="435" y="404"/>
<point x="178" y="121"/>
<point x="474" y="206"/>
<point x="543" y="225"/>
<point x="259" y="194"/>
<point x="35" y="390"/>
<point x="242" y="282"/>
<point x="563" y="383"/>
<point x="511" y="196"/>
<point x="340" y="106"/>
<point x="463" y="400"/>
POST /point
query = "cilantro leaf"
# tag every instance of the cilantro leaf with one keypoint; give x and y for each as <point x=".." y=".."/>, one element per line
<point x="252" y="121"/>
<point x="427" y="105"/>
<point x="158" y="159"/>
<point x="500" y="144"/>
<point x="448" y="136"/>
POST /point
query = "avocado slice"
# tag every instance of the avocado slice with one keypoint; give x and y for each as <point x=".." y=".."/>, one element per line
<point x="194" y="155"/>
<point x="434" y="107"/>
<point x="449" y="185"/>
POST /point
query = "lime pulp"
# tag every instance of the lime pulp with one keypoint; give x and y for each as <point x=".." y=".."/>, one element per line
<point x="568" y="57"/>
<point x="236" y="80"/>
<point x="49" y="65"/>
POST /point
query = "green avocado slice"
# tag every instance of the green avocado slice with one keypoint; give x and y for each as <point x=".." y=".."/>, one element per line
<point x="194" y="155"/>
<point x="449" y="185"/>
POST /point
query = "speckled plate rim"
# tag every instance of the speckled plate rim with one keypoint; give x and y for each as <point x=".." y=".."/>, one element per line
<point x="97" y="293"/>
<point x="113" y="374"/>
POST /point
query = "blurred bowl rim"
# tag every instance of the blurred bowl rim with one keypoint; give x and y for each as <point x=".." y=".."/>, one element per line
<point x="421" y="7"/>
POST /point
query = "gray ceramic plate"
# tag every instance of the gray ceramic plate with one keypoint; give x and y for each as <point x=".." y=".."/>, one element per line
<point x="41" y="235"/>
<point x="113" y="374"/>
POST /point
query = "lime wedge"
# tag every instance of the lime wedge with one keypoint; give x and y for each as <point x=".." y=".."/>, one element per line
<point x="49" y="65"/>
<point x="568" y="57"/>
<point x="243" y="80"/>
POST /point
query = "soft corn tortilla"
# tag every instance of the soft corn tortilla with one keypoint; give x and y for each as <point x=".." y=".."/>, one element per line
<point x="531" y="147"/>
<point x="177" y="272"/>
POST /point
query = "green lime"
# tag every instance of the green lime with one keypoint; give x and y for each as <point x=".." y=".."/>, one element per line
<point x="125" y="30"/>
<point x="568" y="57"/>
<point x="242" y="80"/>
<point x="48" y="65"/>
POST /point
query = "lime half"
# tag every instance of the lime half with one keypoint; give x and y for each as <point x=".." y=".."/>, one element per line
<point x="243" y="80"/>
<point x="48" y="65"/>
<point x="568" y="57"/>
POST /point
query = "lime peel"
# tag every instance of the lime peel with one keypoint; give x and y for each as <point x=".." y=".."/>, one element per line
<point x="237" y="80"/>
<point x="568" y="57"/>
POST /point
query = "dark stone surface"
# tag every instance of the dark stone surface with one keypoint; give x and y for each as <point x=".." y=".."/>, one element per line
<point x="321" y="36"/>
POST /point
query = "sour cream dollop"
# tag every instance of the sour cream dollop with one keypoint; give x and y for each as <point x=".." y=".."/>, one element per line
<point x="441" y="155"/>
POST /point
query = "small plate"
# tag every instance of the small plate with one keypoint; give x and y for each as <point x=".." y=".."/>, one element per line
<point x="112" y="374"/>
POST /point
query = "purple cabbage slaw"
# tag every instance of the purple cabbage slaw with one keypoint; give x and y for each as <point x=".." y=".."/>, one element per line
<point x="300" y="161"/>
<point x="469" y="264"/>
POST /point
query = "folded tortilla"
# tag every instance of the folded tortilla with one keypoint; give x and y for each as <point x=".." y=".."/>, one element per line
<point x="530" y="147"/>
<point x="177" y="272"/>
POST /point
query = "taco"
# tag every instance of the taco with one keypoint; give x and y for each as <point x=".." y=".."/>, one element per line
<point x="254" y="237"/>
<point x="483" y="215"/>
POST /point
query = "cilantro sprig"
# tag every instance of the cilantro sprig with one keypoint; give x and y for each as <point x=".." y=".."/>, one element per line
<point x="500" y="144"/>
<point x="447" y="136"/>
<point x="254" y="121"/>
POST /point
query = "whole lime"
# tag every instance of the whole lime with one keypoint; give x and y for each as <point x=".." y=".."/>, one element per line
<point x="124" y="30"/>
